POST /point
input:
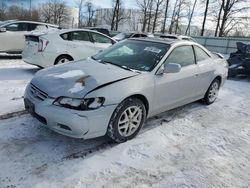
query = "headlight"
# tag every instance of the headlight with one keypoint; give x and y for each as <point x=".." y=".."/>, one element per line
<point x="80" y="104"/>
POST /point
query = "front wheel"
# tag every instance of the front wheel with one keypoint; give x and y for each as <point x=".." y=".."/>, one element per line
<point x="212" y="92"/>
<point x="127" y="120"/>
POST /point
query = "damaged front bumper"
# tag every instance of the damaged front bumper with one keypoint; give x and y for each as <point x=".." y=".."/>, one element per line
<point x="69" y="122"/>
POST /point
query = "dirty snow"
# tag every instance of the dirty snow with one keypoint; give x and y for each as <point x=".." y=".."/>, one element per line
<point x="70" y="74"/>
<point x="77" y="87"/>
<point x="192" y="146"/>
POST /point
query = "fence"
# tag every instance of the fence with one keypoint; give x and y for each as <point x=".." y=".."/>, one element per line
<point x="221" y="45"/>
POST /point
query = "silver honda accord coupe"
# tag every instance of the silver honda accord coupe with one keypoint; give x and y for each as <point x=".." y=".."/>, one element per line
<point x="115" y="91"/>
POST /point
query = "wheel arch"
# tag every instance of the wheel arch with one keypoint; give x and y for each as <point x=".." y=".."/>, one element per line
<point x="61" y="55"/>
<point x="143" y="99"/>
<point x="218" y="78"/>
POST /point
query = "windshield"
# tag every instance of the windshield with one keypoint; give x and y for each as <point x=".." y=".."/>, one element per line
<point x="134" y="54"/>
<point x="122" y="36"/>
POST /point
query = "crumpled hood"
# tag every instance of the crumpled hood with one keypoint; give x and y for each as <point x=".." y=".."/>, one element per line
<point x="76" y="79"/>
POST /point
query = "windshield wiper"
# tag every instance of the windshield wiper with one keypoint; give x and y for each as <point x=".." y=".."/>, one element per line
<point x="121" y="66"/>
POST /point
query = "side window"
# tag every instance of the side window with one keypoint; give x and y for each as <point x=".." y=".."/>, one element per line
<point x="143" y="35"/>
<point x="80" y="36"/>
<point x="200" y="54"/>
<point x="136" y="36"/>
<point x="100" y="38"/>
<point x="12" y="27"/>
<point x="65" y="36"/>
<point x="32" y="27"/>
<point x="182" y="55"/>
<point x="17" y="27"/>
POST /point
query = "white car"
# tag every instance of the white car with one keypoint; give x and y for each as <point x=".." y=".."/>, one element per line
<point x="45" y="50"/>
<point x="12" y="34"/>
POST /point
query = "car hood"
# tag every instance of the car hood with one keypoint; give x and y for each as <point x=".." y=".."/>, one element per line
<point x="76" y="79"/>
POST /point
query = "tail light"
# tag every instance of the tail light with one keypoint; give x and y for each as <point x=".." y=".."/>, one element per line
<point x="43" y="43"/>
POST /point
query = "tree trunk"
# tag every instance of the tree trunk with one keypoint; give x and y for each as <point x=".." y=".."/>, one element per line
<point x="150" y="15"/>
<point x="204" y="19"/>
<point x="172" y="18"/>
<point x="190" y="19"/>
<point x="117" y="15"/>
<point x="165" y="17"/>
<point x="158" y="4"/>
<point x="114" y="16"/>
<point x="224" y="18"/>
<point x="144" y="20"/>
<point x="218" y="21"/>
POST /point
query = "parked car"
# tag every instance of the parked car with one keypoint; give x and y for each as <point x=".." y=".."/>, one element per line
<point x="239" y="61"/>
<point x="100" y="29"/>
<point x="45" y="50"/>
<point x="122" y="36"/>
<point x="115" y="91"/>
<point x="12" y="34"/>
<point x="174" y="37"/>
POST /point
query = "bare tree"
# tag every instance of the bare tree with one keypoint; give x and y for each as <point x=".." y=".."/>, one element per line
<point x="79" y="4"/>
<point x="173" y="17"/>
<point x="165" y="16"/>
<point x="3" y="8"/>
<point x="150" y="14"/>
<point x="55" y="11"/>
<point x="90" y="13"/>
<point x="158" y="4"/>
<point x="226" y="18"/>
<point x="144" y="6"/>
<point x="190" y="18"/>
<point x="218" y="22"/>
<point x="119" y="14"/>
<point x="204" y="17"/>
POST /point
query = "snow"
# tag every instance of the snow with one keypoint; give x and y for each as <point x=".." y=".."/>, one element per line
<point x="77" y="87"/>
<point x="14" y="76"/>
<point x="192" y="146"/>
<point x="70" y="74"/>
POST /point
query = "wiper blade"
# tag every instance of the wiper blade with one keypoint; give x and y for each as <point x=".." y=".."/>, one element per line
<point x="121" y="66"/>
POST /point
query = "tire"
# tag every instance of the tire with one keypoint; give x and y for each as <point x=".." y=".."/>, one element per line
<point x="63" y="59"/>
<point x="212" y="92"/>
<point x="124" y="125"/>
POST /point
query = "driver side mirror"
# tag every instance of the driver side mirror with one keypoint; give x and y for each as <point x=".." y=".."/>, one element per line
<point x="2" y="29"/>
<point x="169" y="68"/>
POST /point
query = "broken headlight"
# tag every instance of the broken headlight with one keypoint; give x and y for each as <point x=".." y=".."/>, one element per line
<point x="80" y="104"/>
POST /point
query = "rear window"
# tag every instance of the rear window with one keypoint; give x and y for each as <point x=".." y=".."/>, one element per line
<point x="31" y="38"/>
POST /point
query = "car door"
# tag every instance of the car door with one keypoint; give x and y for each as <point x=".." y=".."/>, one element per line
<point x="206" y="65"/>
<point x="79" y="44"/>
<point x="175" y="89"/>
<point x="100" y="41"/>
<point x="13" y="39"/>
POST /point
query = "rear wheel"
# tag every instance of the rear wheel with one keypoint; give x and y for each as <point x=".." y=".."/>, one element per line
<point x="212" y="92"/>
<point x="63" y="59"/>
<point x="127" y="120"/>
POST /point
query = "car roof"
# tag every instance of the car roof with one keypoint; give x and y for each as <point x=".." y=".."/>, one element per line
<point x="24" y="21"/>
<point x="79" y="29"/>
<point x="163" y="41"/>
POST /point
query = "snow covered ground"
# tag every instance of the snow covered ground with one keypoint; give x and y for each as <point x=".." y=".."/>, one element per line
<point x="14" y="76"/>
<point x="192" y="146"/>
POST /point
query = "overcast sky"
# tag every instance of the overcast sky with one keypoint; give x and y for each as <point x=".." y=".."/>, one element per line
<point x="98" y="3"/>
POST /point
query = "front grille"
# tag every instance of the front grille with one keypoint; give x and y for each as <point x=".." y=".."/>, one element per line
<point x="37" y="93"/>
